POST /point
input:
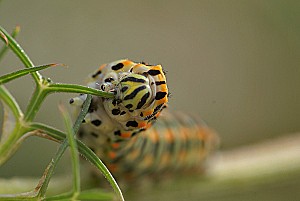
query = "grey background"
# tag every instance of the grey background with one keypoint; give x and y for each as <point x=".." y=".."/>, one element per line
<point x="234" y="63"/>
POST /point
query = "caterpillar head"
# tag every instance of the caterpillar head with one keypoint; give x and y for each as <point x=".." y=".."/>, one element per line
<point x="134" y="91"/>
<point x="140" y="94"/>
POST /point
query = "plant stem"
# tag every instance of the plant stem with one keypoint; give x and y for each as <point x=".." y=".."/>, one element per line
<point x="72" y="88"/>
<point x="9" y="145"/>
<point x="45" y="89"/>
<point x="35" y="103"/>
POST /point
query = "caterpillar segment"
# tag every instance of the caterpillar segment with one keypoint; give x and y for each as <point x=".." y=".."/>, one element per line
<point x="175" y="142"/>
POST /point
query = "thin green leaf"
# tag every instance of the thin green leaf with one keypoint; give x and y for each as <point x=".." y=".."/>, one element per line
<point x="5" y="48"/>
<point x="74" y="88"/>
<point x="52" y="132"/>
<point x="83" y="113"/>
<point x="16" y="74"/>
<point x="2" y="35"/>
<point x="18" y="50"/>
<point x="73" y="149"/>
<point x="93" y="158"/>
<point x="61" y="150"/>
<point x="50" y="169"/>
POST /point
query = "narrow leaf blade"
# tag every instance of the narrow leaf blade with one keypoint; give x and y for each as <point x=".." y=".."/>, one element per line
<point x="16" y="74"/>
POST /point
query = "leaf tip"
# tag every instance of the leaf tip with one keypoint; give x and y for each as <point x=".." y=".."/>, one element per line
<point x="4" y="37"/>
<point x="58" y="64"/>
<point x="61" y="107"/>
<point x="17" y="28"/>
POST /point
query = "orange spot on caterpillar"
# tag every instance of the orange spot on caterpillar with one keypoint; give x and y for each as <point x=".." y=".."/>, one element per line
<point x="154" y="136"/>
<point x="142" y="124"/>
<point x="127" y="62"/>
<point x="112" y="155"/>
<point x="112" y="167"/>
<point x="126" y="135"/>
<point x="102" y="66"/>
<point x="115" y="145"/>
<point x="169" y="136"/>
<point x="148" y="112"/>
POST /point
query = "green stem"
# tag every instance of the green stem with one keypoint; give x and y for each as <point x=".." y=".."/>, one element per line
<point x="72" y="88"/>
<point x="42" y="91"/>
<point x="12" y="142"/>
<point x="12" y="126"/>
<point x="35" y="103"/>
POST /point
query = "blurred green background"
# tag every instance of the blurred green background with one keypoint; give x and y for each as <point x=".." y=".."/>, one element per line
<point x="234" y="63"/>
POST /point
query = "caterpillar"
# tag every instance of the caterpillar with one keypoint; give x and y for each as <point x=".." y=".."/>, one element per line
<point x="133" y="133"/>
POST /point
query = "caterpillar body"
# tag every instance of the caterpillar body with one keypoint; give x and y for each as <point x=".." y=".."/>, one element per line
<point x="133" y="133"/>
